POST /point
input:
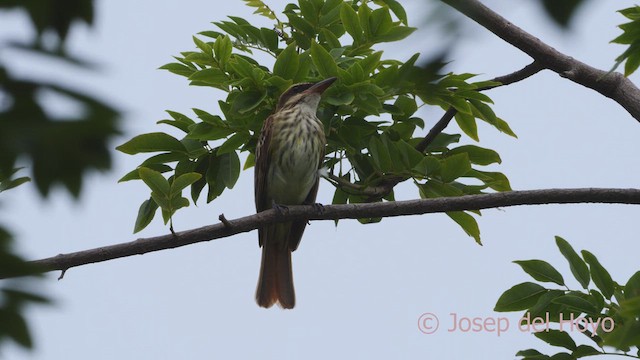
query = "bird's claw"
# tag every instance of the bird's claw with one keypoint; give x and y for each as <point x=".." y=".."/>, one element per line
<point x="319" y="208"/>
<point x="281" y="209"/>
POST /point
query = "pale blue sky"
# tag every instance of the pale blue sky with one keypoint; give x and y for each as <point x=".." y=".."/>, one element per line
<point x="360" y="289"/>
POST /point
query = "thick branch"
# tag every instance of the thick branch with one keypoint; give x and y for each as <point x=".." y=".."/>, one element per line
<point x="612" y="85"/>
<point x="332" y="212"/>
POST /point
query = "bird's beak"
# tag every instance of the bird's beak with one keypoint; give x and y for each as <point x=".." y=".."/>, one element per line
<point x="321" y="86"/>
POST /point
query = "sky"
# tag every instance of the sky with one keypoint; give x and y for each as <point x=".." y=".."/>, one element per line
<point x="361" y="289"/>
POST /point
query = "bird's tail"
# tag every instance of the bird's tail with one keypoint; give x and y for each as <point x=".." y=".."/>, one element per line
<point x="275" y="284"/>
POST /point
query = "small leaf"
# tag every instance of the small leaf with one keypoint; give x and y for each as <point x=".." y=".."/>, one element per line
<point x="234" y="142"/>
<point x="287" y="62"/>
<point x="351" y="22"/>
<point x="632" y="288"/>
<point x="467" y="124"/>
<point x="585" y="350"/>
<point x="478" y="155"/>
<point x="247" y="101"/>
<point x="229" y="170"/>
<point x="155" y="181"/>
<point x="16" y="327"/>
<point x="576" y="303"/>
<point x="556" y="338"/>
<point x="455" y="166"/>
<point x="468" y="223"/>
<point x="395" y="34"/>
<point x="578" y="268"/>
<point x="541" y="271"/>
<point x="182" y="181"/>
<point x="146" y="212"/>
<point x="323" y="61"/>
<point x="151" y="142"/>
<point x="519" y="297"/>
<point x="599" y="275"/>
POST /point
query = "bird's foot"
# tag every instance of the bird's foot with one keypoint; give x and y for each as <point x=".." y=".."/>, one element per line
<point x="319" y="208"/>
<point x="281" y="209"/>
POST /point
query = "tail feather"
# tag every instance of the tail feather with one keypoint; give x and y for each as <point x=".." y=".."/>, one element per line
<point x="275" y="284"/>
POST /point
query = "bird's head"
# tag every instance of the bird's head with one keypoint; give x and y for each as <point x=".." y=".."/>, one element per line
<point x="304" y="94"/>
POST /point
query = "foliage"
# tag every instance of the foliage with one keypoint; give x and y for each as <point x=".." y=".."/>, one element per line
<point x="631" y="37"/>
<point x="607" y="314"/>
<point x="13" y="298"/>
<point x="561" y="11"/>
<point x="370" y="114"/>
<point x="59" y="150"/>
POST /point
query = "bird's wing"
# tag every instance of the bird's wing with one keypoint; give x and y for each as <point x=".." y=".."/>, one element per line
<point x="263" y="158"/>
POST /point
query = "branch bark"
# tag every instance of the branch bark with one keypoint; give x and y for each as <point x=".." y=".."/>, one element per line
<point x="610" y="84"/>
<point x="332" y="212"/>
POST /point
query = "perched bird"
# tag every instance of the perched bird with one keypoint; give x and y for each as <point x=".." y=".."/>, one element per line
<point x="288" y="156"/>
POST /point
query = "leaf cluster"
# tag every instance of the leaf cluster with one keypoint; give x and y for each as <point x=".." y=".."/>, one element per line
<point x="599" y="298"/>
<point x="370" y="114"/>
<point x="13" y="297"/>
<point x="630" y="37"/>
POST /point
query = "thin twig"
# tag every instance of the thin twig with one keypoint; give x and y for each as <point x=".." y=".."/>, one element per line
<point x="224" y="220"/>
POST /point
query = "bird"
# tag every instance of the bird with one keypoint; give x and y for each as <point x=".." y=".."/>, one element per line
<point x="289" y="155"/>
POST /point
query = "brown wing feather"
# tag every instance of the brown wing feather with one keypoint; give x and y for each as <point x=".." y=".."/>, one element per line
<point x="263" y="158"/>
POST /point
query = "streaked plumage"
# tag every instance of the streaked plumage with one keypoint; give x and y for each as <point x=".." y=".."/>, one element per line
<point x="288" y="155"/>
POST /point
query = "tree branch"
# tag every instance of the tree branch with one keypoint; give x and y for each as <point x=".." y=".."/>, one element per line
<point x="612" y="85"/>
<point x="331" y="212"/>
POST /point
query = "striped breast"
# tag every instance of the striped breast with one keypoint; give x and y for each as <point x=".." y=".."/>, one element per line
<point x="297" y="145"/>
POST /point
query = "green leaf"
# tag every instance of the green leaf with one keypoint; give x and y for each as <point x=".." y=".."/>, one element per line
<point x="12" y="183"/>
<point x="556" y="338"/>
<point x="229" y="170"/>
<point x="380" y="154"/>
<point x="205" y="131"/>
<point x="585" y="350"/>
<point x="468" y="223"/>
<point x="210" y="76"/>
<point x="541" y="271"/>
<point x="478" y="155"/>
<point x="151" y="142"/>
<point x="155" y="181"/>
<point x="287" y="62"/>
<point x="234" y="142"/>
<point x="632" y="288"/>
<point x="467" y="124"/>
<point x="251" y="161"/>
<point x="397" y="9"/>
<point x="530" y="354"/>
<point x="222" y="49"/>
<point x="16" y="327"/>
<point x="323" y="61"/>
<point x="182" y="181"/>
<point x="454" y="167"/>
<point x="146" y="212"/>
<point x="519" y="297"/>
<point x="599" y="275"/>
<point x="135" y="174"/>
<point x="576" y="303"/>
<point x="578" y="268"/>
<point x="247" y="101"/>
<point x="351" y="23"/>
<point x="395" y="34"/>
<point x="178" y="69"/>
